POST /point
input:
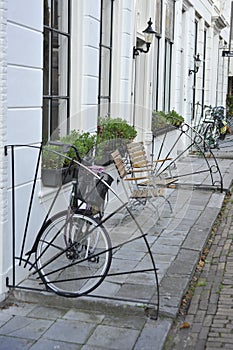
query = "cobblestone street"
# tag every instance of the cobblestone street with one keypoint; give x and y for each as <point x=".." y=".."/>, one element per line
<point x="208" y="323"/>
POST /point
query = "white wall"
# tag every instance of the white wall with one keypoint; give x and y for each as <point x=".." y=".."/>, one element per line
<point x="3" y="139"/>
<point x="23" y="116"/>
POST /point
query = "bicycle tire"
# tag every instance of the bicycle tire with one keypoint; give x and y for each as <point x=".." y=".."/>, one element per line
<point x="72" y="266"/>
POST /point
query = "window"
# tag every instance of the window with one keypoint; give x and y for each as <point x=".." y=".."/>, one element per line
<point x="169" y="23"/>
<point x="56" y="68"/>
<point x="169" y="36"/>
<point x="155" y="75"/>
<point x="158" y="17"/>
<point x="204" y="66"/>
<point x="167" y="75"/>
<point x="194" y="75"/>
<point x="105" y="63"/>
<point x="158" y="30"/>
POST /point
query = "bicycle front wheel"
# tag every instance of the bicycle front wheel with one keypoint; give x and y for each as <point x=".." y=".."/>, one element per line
<point x="73" y="254"/>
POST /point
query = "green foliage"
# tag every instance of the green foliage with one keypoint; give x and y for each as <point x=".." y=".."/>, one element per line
<point x="114" y="128"/>
<point x="51" y="158"/>
<point x="111" y="134"/>
<point x="174" y="118"/>
<point x="161" y="119"/>
<point x="84" y="142"/>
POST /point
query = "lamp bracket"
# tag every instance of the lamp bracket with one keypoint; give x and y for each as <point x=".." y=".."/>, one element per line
<point x="194" y="71"/>
<point x="137" y="50"/>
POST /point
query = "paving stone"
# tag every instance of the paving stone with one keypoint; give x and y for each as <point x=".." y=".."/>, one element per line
<point x="70" y="331"/>
<point x="196" y="327"/>
<point x="8" y="343"/>
<point x="25" y="327"/>
<point x="125" y="321"/>
<point x="47" y="312"/>
<point x="178" y="267"/>
<point x="46" y="344"/>
<point x="88" y="316"/>
<point x="210" y="314"/>
<point x="153" y="335"/>
<point x="135" y="291"/>
<point x="113" y="337"/>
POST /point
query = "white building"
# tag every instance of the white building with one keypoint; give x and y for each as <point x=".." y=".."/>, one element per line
<point x="64" y="62"/>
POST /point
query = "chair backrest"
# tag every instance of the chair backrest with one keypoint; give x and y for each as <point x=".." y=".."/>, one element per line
<point x="119" y="163"/>
<point x="137" y="155"/>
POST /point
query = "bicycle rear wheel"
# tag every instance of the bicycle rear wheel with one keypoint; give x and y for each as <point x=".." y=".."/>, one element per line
<point x="73" y="254"/>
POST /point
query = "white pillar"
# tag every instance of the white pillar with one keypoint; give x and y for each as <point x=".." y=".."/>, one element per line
<point x="3" y="140"/>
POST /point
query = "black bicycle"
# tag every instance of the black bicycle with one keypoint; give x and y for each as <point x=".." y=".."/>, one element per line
<point x="216" y="128"/>
<point x="212" y="126"/>
<point x="73" y="249"/>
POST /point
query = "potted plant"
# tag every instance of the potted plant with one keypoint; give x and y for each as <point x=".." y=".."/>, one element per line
<point x="57" y="169"/>
<point x="174" y="118"/>
<point x="112" y="134"/>
<point x="163" y="122"/>
<point x="159" y="122"/>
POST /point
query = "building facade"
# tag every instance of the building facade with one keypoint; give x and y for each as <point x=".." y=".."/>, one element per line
<point x="65" y="62"/>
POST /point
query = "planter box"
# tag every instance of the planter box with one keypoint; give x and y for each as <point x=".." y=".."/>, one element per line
<point x="57" y="177"/>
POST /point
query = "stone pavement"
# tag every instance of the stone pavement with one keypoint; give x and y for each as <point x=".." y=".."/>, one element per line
<point x="208" y="323"/>
<point x="32" y="319"/>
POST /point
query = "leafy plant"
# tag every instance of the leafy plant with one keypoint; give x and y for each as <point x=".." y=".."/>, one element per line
<point x="112" y="133"/>
<point x="174" y="118"/>
<point x="84" y="142"/>
<point x="51" y="159"/>
<point x="114" y="128"/>
<point x="161" y="119"/>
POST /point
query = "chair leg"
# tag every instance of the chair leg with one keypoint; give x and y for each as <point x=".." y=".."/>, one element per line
<point x="156" y="209"/>
<point x="168" y="202"/>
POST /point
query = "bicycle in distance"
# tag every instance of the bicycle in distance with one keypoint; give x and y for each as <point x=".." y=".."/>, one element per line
<point x="212" y="125"/>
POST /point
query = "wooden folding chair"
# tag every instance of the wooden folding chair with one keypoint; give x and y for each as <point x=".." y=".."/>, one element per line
<point x="140" y="163"/>
<point x="136" y="194"/>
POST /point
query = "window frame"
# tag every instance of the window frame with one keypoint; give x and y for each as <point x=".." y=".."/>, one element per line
<point x="52" y="96"/>
<point x="105" y="81"/>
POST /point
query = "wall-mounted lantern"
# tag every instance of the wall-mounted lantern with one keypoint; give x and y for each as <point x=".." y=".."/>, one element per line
<point x="148" y="35"/>
<point x="197" y="64"/>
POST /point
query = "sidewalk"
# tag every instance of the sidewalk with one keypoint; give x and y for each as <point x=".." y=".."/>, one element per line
<point x="209" y="320"/>
<point x="36" y="320"/>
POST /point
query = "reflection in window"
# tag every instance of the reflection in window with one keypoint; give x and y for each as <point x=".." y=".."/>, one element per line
<point x="169" y="36"/>
<point x="169" y="24"/>
<point x="105" y="63"/>
<point x="155" y="74"/>
<point x="167" y="76"/>
<point x="56" y="68"/>
<point x="158" y="17"/>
